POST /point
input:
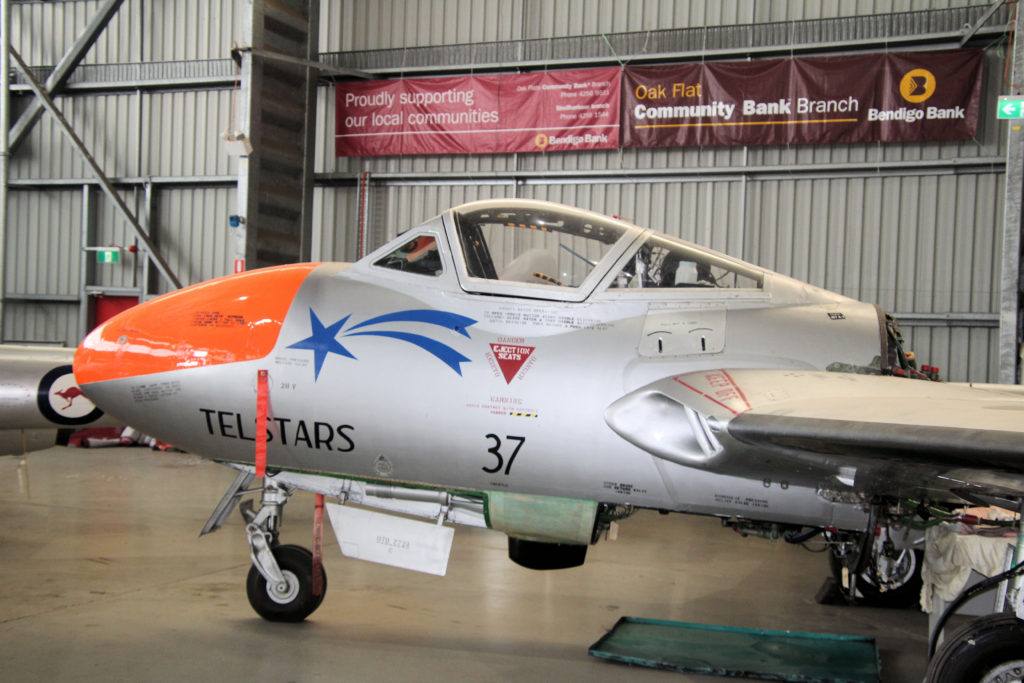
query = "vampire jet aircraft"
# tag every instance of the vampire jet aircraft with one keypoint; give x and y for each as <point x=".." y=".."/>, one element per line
<point x="543" y="371"/>
<point x="40" y="402"/>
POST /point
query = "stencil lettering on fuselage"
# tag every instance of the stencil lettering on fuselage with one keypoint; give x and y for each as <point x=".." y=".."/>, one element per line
<point x="312" y="434"/>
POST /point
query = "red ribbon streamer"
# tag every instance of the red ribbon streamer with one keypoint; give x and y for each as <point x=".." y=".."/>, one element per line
<point x="318" y="546"/>
<point x="262" y="398"/>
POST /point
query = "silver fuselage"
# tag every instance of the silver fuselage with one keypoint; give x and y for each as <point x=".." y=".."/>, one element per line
<point x="524" y="410"/>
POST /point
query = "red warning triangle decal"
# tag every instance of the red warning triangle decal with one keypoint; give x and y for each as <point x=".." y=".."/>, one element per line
<point x="510" y="358"/>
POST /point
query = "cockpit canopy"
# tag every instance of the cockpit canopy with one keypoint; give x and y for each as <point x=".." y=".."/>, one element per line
<point x="550" y="251"/>
<point x="535" y="243"/>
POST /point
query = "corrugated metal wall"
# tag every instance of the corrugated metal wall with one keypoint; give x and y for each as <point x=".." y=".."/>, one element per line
<point x="916" y="243"/>
<point x="388" y="24"/>
<point x="43" y="235"/>
<point x="141" y="31"/>
<point x="193" y="233"/>
<point x="132" y="135"/>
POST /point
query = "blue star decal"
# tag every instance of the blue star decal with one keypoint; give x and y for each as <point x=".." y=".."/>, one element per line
<point x="322" y="341"/>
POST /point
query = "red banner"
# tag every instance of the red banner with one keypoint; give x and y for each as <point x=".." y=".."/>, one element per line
<point x="892" y="97"/>
<point x="546" y="111"/>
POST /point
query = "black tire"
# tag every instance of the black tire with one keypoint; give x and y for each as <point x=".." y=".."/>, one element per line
<point x="296" y="564"/>
<point x="989" y="649"/>
<point x="323" y="573"/>
<point x="906" y="594"/>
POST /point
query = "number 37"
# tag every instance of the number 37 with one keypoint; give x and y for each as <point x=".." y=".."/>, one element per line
<point x="495" y="450"/>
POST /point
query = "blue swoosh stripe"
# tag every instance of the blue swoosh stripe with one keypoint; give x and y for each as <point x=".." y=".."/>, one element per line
<point x="452" y="321"/>
<point x="443" y="352"/>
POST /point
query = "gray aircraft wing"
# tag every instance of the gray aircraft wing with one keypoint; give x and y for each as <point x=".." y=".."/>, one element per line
<point x="39" y="398"/>
<point x="869" y="434"/>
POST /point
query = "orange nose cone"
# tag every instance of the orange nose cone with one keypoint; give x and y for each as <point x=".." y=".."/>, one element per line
<point x="226" y="320"/>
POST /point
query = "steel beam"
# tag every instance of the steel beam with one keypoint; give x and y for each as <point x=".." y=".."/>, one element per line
<point x="308" y="63"/>
<point x="954" y="166"/>
<point x="42" y="298"/>
<point x="970" y="31"/>
<point x="101" y="177"/>
<point x="86" y="265"/>
<point x="880" y="169"/>
<point x="5" y="150"/>
<point x="277" y="116"/>
<point x="947" y="319"/>
<point x="58" y="78"/>
<point x="128" y="181"/>
<point x="1010" y="290"/>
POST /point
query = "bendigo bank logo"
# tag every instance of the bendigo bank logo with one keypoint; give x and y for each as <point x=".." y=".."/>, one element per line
<point x="541" y="141"/>
<point x="917" y="85"/>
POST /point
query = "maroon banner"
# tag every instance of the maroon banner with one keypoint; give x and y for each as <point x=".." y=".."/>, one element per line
<point x="892" y="97"/>
<point x="549" y="111"/>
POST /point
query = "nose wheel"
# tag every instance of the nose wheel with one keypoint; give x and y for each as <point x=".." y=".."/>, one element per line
<point x="281" y="584"/>
<point x="292" y="598"/>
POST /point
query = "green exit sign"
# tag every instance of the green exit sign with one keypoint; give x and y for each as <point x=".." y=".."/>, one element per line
<point x="108" y="256"/>
<point x="1010" y="107"/>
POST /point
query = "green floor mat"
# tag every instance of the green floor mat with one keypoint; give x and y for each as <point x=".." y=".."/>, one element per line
<point x="740" y="652"/>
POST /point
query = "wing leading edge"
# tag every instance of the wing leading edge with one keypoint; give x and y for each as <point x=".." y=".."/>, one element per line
<point x="875" y="434"/>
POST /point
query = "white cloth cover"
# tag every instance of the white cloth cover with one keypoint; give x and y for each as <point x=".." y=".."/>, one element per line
<point x="950" y="556"/>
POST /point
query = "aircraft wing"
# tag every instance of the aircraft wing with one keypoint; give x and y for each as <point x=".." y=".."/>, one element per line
<point x="868" y="434"/>
<point x="39" y="398"/>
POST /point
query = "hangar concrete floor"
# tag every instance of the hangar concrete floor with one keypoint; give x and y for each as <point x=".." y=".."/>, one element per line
<point x="102" y="577"/>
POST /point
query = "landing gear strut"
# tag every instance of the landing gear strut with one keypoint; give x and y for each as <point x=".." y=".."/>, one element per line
<point x="871" y="570"/>
<point x="280" y="585"/>
<point x="280" y="581"/>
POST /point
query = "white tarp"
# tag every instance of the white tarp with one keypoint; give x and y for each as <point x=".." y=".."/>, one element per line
<point x="950" y="556"/>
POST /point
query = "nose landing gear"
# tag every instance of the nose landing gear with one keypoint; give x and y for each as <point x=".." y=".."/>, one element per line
<point x="280" y="585"/>
<point x="292" y="599"/>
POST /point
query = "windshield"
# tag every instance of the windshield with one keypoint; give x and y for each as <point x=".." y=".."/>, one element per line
<point x="546" y="245"/>
<point x="419" y="255"/>
<point x="662" y="263"/>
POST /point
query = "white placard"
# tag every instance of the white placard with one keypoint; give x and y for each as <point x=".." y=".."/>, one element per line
<point x="391" y="540"/>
